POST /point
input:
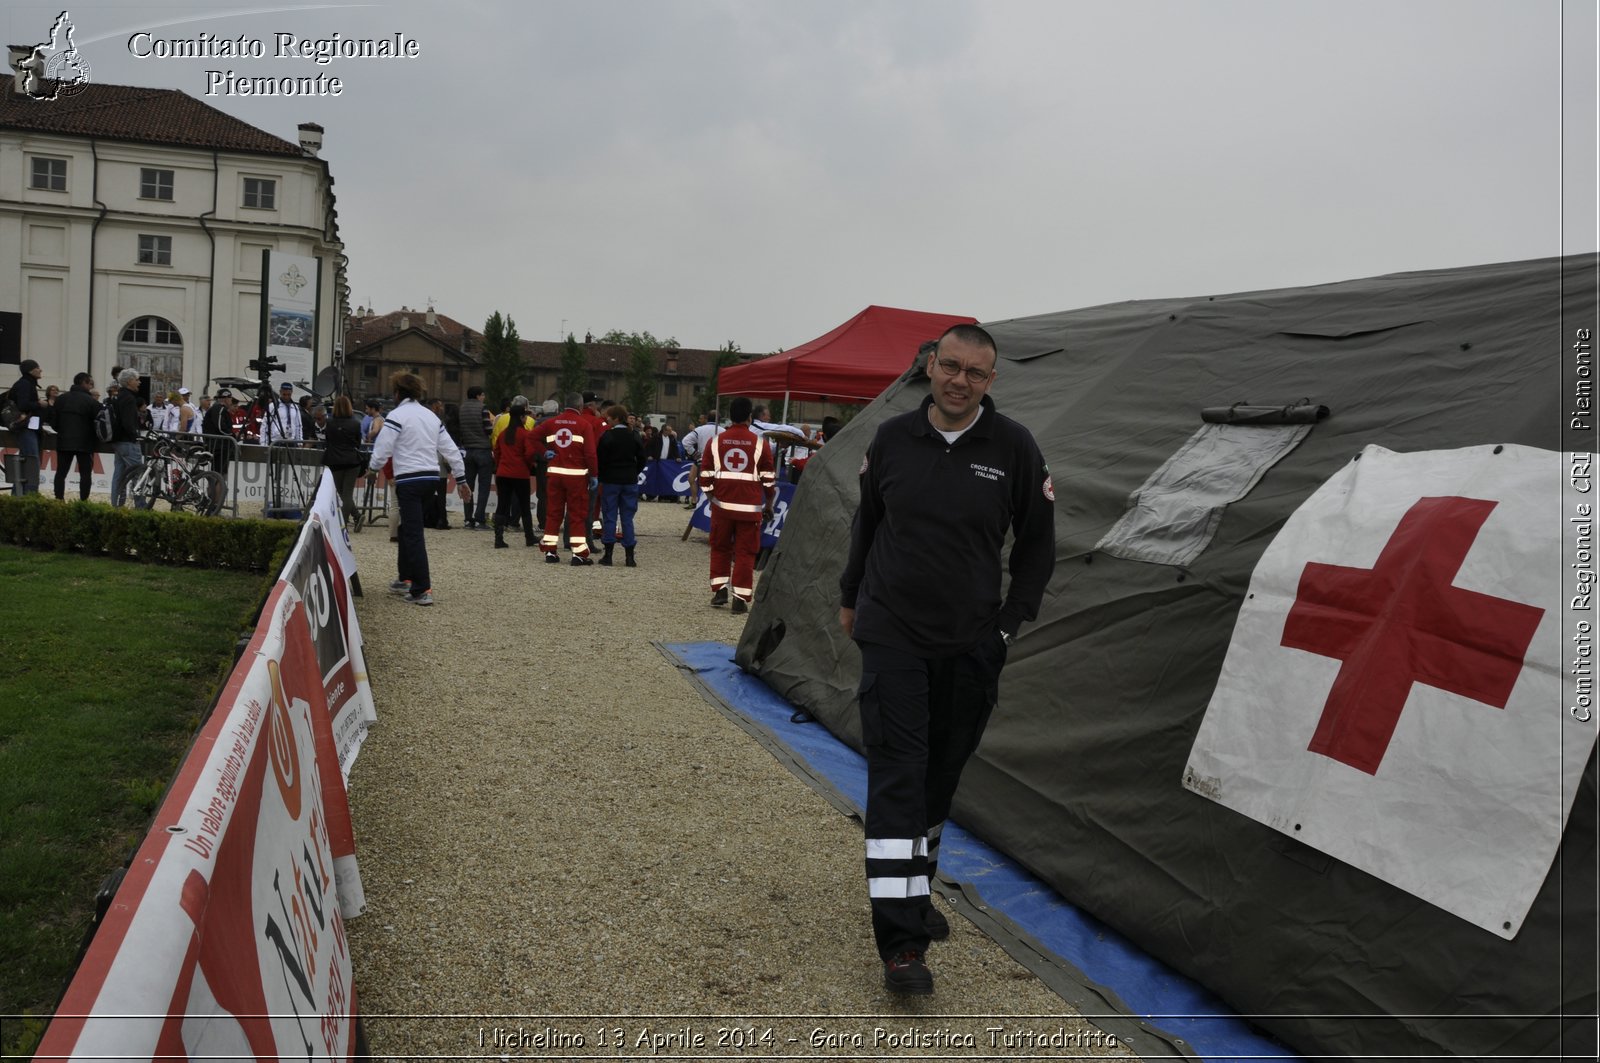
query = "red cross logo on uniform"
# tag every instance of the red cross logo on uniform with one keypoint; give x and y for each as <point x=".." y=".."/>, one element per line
<point x="1402" y="622"/>
<point x="736" y="461"/>
<point x="563" y="438"/>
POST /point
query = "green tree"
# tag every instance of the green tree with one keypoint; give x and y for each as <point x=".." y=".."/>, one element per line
<point x="639" y="379"/>
<point x="574" y="369"/>
<point x="727" y="354"/>
<point x="503" y="367"/>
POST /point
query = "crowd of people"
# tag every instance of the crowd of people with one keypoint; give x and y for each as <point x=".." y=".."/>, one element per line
<point x="568" y="475"/>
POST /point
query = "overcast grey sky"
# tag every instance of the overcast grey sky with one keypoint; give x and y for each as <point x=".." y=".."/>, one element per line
<point x="760" y="170"/>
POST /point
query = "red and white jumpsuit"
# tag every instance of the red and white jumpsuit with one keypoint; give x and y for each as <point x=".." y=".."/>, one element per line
<point x="567" y="480"/>
<point x="737" y="471"/>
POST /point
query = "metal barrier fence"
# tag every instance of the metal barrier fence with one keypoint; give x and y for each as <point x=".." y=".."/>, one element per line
<point x="293" y="470"/>
<point x="277" y="481"/>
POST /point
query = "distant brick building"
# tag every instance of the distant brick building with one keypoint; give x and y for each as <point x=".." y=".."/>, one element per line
<point x="448" y="356"/>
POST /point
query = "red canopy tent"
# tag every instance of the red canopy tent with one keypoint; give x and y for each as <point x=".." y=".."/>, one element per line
<point x="853" y="363"/>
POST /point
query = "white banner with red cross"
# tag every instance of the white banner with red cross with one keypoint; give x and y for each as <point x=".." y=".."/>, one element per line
<point x="226" y="938"/>
<point x="1394" y="694"/>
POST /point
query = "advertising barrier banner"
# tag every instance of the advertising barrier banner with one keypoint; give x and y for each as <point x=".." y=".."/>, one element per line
<point x="226" y="938"/>
<point x="318" y="568"/>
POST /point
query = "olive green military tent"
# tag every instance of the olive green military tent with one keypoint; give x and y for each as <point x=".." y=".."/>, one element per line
<point x="1245" y="486"/>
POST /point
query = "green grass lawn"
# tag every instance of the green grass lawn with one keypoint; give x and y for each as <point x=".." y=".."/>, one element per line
<point x="105" y="671"/>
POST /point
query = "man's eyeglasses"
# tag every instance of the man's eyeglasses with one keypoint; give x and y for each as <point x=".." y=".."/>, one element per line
<point x="950" y="367"/>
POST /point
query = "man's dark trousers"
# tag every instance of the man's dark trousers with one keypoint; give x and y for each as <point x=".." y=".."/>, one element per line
<point x="480" y="472"/>
<point x="64" y="460"/>
<point x="921" y="719"/>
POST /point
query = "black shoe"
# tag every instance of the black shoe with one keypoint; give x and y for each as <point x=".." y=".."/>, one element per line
<point x="606" y="560"/>
<point x="552" y="558"/>
<point x="934" y="922"/>
<point x="721" y="597"/>
<point x="630" y="563"/>
<point x="907" y="973"/>
<point x="580" y="562"/>
<point x="739" y="606"/>
<point x="500" y="543"/>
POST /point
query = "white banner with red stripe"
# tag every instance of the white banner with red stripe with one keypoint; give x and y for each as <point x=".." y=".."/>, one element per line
<point x="321" y="568"/>
<point x="226" y="937"/>
<point x="1395" y="691"/>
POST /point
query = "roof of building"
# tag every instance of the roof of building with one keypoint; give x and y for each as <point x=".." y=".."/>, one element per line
<point x="372" y="329"/>
<point x="366" y="331"/>
<point x="139" y="114"/>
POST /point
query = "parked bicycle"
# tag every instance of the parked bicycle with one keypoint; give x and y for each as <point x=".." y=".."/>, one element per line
<point x="182" y="474"/>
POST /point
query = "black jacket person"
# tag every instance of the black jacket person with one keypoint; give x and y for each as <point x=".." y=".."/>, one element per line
<point x="940" y="488"/>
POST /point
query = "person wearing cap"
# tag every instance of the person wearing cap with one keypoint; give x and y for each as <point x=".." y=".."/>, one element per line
<point x="280" y="422"/>
<point x="217" y="423"/>
<point x="25" y="393"/>
<point x="188" y="417"/>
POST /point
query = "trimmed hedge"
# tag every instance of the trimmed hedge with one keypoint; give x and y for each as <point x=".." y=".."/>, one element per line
<point x="43" y="523"/>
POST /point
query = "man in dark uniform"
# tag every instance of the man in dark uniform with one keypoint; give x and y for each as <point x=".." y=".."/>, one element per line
<point x="218" y="425"/>
<point x="75" y="439"/>
<point x="920" y="595"/>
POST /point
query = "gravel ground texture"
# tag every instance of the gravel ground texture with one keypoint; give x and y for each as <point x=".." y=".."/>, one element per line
<point x="567" y="851"/>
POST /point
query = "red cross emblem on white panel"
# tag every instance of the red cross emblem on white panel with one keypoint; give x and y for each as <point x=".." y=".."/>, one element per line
<point x="563" y="438"/>
<point x="1394" y="691"/>
<point x="736" y="461"/>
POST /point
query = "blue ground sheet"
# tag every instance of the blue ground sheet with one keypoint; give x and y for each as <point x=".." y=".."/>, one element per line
<point x="1184" y="1012"/>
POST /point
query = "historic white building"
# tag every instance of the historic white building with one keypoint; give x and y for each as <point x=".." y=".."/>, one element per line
<point x="132" y="226"/>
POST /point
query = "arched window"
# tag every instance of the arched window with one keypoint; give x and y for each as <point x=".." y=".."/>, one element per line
<point x="153" y="347"/>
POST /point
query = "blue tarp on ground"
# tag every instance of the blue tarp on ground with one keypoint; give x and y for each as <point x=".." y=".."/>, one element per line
<point x="1183" y="1010"/>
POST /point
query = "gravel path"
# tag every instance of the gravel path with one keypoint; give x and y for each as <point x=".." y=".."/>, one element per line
<point x="560" y="838"/>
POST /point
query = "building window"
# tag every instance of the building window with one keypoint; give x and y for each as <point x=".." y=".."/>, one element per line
<point x="669" y="388"/>
<point x="260" y="193"/>
<point x="151" y="330"/>
<point x="699" y="389"/>
<point x="155" y="250"/>
<point x="370" y="371"/>
<point x="49" y="174"/>
<point x="452" y="376"/>
<point x="155" y="184"/>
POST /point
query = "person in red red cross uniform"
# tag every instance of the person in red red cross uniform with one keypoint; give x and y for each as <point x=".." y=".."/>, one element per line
<point x="738" y="474"/>
<point x="569" y="446"/>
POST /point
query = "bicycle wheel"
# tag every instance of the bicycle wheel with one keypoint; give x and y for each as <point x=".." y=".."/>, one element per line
<point x="148" y="483"/>
<point x="139" y="485"/>
<point x="208" y="490"/>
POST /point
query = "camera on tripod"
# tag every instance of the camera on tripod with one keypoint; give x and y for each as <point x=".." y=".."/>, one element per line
<point x="264" y="368"/>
